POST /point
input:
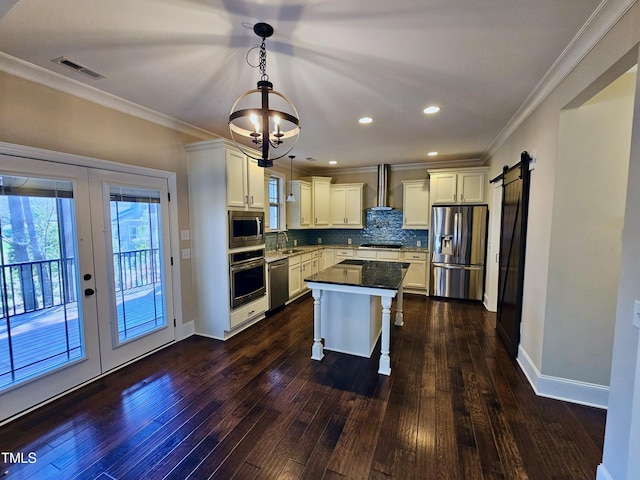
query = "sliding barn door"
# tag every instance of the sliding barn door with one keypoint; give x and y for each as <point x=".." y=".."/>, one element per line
<point x="513" y="234"/>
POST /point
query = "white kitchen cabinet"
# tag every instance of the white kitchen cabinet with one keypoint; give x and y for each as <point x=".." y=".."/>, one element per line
<point x="346" y="205"/>
<point x="458" y="186"/>
<point x="327" y="258"/>
<point x="295" y="276"/>
<point x="216" y="180"/>
<point x="416" y="278"/>
<point x="299" y="213"/>
<point x="320" y="201"/>
<point x="415" y="204"/>
<point x="366" y="254"/>
<point x="315" y="262"/>
<point x="344" y="254"/>
<point x="388" y="255"/>
<point x="244" y="181"/>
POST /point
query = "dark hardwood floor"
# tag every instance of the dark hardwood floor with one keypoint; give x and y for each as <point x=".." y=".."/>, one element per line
<point x="257" y="407"/>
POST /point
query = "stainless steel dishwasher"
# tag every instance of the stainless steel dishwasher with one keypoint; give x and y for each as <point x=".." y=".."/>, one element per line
<point x="278" y="283"/>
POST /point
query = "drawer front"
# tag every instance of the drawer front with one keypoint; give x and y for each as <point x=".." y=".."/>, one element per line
<point x="415" y="255"/>
<point x="388" y="256"/>
<point x="248" y="312"/>
<point x="370" y="254"/>
<point x="294" y="260"/>
<point x="344" y="253"/>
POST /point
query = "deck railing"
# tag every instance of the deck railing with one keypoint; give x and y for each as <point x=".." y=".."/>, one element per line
<point x="32" y="286"/>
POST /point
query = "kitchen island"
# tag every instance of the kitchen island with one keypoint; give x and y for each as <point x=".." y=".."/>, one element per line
<point x="352" y="307"/>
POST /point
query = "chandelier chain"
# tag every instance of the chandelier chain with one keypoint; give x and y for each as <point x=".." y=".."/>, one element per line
<point x="263" y="62"/>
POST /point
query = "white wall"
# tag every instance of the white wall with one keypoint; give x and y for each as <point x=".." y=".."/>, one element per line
<point x="622" y="437"/>
<point x="586" y="234"/>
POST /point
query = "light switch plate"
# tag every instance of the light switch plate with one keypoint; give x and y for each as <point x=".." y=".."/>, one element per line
<point x="636" y="313"/>
<point x="184" y="235"/>
<point x="419" y="243"/>
<point x="186" y="253"/>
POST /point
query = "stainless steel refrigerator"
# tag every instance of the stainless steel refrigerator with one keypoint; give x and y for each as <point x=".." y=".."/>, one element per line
<point x="458" y="239"/>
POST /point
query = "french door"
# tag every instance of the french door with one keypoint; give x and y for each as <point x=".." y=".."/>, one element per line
<point x="132" y="260"/>
<point x="84" y="276"/>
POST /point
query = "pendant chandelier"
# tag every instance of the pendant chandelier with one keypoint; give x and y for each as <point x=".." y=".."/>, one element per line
<point x="263" y="118"/>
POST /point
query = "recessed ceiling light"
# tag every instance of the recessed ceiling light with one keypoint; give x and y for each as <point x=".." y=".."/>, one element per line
<point x="432" y="154"/>
<point x="431" y="109"/>
<point x="365" y="120"/>
<point x="332" y="162"/>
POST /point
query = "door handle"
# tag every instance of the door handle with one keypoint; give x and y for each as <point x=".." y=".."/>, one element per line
<point x="88" y="292"/>
<point x="86" y="276"/>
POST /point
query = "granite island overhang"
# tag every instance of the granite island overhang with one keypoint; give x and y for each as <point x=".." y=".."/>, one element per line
<point x="352" y="307"/>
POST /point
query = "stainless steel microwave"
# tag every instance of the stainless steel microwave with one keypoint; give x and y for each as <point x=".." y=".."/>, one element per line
<point x="245" y="228"/>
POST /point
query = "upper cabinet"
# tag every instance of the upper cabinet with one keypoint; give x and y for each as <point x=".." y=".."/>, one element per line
<point x="465" y="185"/>
<point x="415" y="204"/>
<point x="299" y="213"/>
<point x="245" y="181"/>
<point x="321" y="201"/>
<point x="346" y="205"/>
<point x="319" y="204"/>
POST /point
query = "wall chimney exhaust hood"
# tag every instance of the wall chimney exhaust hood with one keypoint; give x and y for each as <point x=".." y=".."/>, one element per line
<point x="383" y="182"/>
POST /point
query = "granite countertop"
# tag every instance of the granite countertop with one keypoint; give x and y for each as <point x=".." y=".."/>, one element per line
<point x="273" y="255"/>
<point x="363" y="273"/>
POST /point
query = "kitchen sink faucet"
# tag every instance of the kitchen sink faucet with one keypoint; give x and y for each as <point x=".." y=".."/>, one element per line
<point x="280" y="246"/>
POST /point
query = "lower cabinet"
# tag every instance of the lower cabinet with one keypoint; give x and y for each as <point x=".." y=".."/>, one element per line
<point x="327" y="258"/>
<point x="295" y="276"/>
<point x="416" y="277"/>
<point x="300" y="267"/>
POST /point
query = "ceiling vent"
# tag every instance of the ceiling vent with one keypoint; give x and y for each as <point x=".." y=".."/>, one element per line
<point x="77" y="67"/>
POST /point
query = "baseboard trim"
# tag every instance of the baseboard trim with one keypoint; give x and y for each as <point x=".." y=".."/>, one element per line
<point x="188" y="329"/>
<point x="602" y="473"/>
<point x="568" y="390"/>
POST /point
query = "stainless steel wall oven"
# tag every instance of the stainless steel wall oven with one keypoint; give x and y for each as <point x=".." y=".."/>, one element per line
<point x="245" y="228"/>
<point x="246" y="276"/>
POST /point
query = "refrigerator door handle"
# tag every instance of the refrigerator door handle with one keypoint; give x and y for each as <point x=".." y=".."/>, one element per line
<point x="456" y="235"/>
<point x="450" y="266"/>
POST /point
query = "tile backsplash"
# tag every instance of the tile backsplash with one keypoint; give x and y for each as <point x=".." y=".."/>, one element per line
<point x="381" y="226"/>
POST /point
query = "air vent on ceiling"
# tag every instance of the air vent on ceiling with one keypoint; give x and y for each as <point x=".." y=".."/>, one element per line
<point x="77" y="67"/>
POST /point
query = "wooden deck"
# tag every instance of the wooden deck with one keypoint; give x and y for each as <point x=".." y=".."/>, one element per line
<point x="456" y="406"/>
<point x="48" y="338"/>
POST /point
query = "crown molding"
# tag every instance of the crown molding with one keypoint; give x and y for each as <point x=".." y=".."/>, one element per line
<point x="451" y="164"/>
<point x="595" y="28"/>
<point x="34" y="73"/>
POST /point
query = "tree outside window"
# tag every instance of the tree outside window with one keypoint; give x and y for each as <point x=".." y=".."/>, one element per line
<point x="275" y="203"/>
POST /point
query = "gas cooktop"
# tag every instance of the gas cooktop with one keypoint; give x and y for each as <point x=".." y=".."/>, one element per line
<point x="396" y="246"/>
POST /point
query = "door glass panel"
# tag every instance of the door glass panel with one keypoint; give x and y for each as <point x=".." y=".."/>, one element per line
<point x="40" y="328"/>
<point x="137" y="261"/>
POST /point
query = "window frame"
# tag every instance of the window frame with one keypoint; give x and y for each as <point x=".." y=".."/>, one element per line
<point x="280" y="204"/>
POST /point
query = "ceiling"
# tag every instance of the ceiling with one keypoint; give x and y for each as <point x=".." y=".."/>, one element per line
<point x="337" y="60"/>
